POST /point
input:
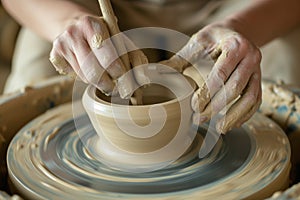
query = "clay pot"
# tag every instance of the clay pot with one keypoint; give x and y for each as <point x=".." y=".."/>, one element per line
<point x="142" y="129"/>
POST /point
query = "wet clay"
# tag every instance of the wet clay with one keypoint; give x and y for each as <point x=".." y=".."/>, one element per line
<point x="171" y="114"/>
<point x="271" y="159"/>
<point x="19" y="108"/>
<point x="53" y="152"/>
<point x="281" y="103"/>
<point x="292" y="193"/>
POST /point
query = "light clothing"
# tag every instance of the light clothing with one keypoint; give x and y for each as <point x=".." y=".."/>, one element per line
<point x="280" y="58"/>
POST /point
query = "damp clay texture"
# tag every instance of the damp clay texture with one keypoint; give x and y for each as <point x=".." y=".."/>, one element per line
<point x="48" y="158"/>
<point x="254" y="159"/>
<point x="162" y="121"/>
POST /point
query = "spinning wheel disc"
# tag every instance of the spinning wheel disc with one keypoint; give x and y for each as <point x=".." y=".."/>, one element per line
<point x="47" y="159"/>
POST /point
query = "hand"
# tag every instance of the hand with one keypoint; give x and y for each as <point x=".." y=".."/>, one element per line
<point x="235" y="76"/>
<point x="85" y="48"/>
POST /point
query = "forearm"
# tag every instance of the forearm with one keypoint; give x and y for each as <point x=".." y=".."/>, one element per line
<point x="47" y="17"/>
<point x="265" y="20"/>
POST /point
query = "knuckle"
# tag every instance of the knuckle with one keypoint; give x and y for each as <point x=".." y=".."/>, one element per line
<point x="56" y="45"/>
<point x="95" y="24"/>
<point x="236" y="86"/>
<point x="231" y="43"/>
<point x="85" y="19"/>
<point x="69" y="32"/>
<point x="92" y="24"/>
<point x="200" y="37"/>
<point x="59" y="46"/>
<point x="221" y="74"/>
<point x="235" y="41"/>
<point x="244" y="45"/>
<point x="257" y="56"/>
<point x="251" y="97"/>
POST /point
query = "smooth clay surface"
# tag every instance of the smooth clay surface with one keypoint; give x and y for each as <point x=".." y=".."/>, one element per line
<point x="48" y="158"/>
<point x="149" y="134"/>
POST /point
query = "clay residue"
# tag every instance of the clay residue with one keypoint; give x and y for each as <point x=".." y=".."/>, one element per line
<point x="279" y="103"/>
<point x="267" y="170"/>
<point x="96" y="41"/>
<point x="292" y="193"/>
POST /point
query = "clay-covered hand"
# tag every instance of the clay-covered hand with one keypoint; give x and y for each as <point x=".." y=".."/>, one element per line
<point x="234" y="82"/>
<point x="85" y="47"/>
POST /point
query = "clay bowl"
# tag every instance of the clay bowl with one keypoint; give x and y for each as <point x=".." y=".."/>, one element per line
<point x="162" y="120"/>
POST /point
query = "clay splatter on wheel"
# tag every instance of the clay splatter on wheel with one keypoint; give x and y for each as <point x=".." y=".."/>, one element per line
<point x="48" y="159"/>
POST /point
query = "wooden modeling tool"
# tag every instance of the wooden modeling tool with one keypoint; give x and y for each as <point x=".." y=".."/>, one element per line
<point x="111" y="21"/>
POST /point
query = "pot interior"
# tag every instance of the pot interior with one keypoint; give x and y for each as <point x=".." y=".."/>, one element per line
<point x="152" y="94"/>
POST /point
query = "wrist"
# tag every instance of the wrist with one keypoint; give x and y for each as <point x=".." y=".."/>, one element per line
<point x="233" y="24"/>
<point x="238" y="25"/>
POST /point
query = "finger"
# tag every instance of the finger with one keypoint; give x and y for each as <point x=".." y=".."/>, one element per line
<point x="194" y="50"/>
<point x="232" y="53"/>
<point x="98" y="76"/>
<point x="254" y="108"/>
<point x="95" y="73"/>
<point x="244" y="107"/>
<point x="127" y="83"/>
<point x="99" y="41"/>
<point x="234" y="86"/>
<point x="200" y="98"/>
<point x="195" y="74"/>
<point x="248" y="115"/>
<point x="88" y="64"/>
<point x="64" y="60"/>
<point x="138" y="61"/>
<point x="108" y="57"/>
<point x="106" y="85"/>
<point x="61" y="65"/>
<point x="175" y="62"/>
<point x="193" y="53"/>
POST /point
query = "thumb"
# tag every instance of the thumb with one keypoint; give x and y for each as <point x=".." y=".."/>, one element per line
<point x="174" y="63"/>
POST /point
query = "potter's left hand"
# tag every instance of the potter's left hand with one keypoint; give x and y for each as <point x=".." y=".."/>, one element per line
<point x="236" y="71"/>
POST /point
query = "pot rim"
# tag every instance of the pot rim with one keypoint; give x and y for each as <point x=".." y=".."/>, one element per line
<point x="90" y="99"/>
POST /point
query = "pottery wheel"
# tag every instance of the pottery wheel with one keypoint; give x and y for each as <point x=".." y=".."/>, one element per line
<point x="48" y="160"/>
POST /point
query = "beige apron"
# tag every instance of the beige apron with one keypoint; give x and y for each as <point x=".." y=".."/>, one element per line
<point x="280" y="60"/>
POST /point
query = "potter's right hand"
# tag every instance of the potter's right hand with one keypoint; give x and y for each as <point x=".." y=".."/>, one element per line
<point x="85" y="48"/>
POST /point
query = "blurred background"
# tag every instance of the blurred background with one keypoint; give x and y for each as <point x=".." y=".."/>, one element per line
<point x="8" y="34"/>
